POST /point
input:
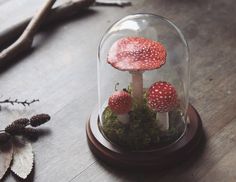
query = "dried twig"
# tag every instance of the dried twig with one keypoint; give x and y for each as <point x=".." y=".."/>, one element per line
<point x="24" y="103"/>
<point x="120" y="3"/>
<point x="25" y="40"/>
<point x="56" y="14"/>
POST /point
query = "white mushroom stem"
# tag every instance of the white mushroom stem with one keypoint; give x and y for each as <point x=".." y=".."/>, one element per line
<point x="123" y="118"/>
<point x="163" y="119"/>
<point x="137" y="86"/>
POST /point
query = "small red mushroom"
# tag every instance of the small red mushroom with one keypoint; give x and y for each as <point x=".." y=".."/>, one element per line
<point x="136" y="55"/>
<point x="162" y="97"/>
<point x="120" y="102"/>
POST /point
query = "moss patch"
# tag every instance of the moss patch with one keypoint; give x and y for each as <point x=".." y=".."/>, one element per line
<point x="142" y="131"/>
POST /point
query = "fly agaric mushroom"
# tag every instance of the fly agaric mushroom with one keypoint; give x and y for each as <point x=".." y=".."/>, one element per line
<point x="162" y="97"/>
<point x="136" y="55"/>
<point x="120" y="103"/>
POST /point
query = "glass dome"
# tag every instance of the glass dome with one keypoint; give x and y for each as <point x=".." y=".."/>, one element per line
<point x="143" y="81"/>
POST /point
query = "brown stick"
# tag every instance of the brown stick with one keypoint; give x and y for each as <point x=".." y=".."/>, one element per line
<point x="120" y="3"/>
<point x="62" y="11"/>
<point x="25" y="40"/>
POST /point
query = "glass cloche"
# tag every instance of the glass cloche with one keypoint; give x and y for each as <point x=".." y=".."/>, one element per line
<point x="143" y="80"/>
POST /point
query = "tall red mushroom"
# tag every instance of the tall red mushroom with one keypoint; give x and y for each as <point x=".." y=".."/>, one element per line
<point x="162" y="97"/>
<point x="120" y="103"/>
<point x="136" y="55"/>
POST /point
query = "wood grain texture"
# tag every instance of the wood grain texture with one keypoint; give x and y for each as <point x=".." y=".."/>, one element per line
<point x="61" y="72"/>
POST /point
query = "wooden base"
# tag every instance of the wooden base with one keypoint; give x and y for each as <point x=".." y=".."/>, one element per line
<point x="156" y="158"/>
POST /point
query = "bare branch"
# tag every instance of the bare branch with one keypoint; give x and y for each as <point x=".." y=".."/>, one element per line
<point x="56" y="14"/>
<point x="69" y="8"/>
<point x="120" y="3"/>
<point x="25" y="40"/>
<point x="24" y="103"/>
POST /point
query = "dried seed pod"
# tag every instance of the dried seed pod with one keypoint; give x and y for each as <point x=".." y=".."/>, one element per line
<point x="15" y="128"/>
<point x="4" y="137"/>
<point x="30" y="133"/>
<point x="21" y="121"/>
<point x="39" y="119"/>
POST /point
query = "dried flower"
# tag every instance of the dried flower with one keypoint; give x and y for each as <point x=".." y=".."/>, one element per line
<point x="15" y="128"/>
<point x="39" y="119"/>
<point x="21" y="121"/>
<point x="18" y="127"/>
<point x="4" y="137"/>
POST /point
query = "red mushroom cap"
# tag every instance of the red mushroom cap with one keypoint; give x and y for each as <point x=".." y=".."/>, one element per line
<point x="161" y="96"/>
<point x="136" y="54"/>
<point x="120" y="102"/>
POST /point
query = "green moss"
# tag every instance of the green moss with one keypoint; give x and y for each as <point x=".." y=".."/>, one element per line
<point x="142" y="131"/>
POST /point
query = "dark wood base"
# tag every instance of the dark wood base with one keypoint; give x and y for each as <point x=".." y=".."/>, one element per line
<point x="156" y="158"/>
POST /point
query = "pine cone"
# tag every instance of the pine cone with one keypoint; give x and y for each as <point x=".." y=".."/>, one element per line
<point x="39" y="119"/>
<point x="15" y="128"/>
<point x="30" y="133"/>
<point x="21" y="121"/>
<point x="4" y="137"/>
